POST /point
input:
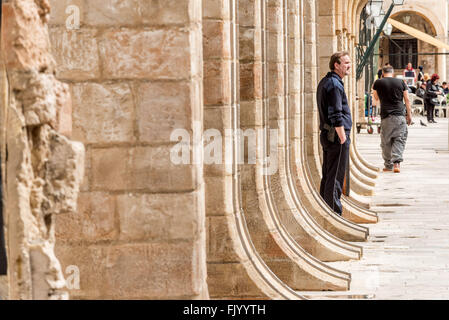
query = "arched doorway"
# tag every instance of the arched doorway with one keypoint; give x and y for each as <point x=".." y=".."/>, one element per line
<point x="401" y="48"/>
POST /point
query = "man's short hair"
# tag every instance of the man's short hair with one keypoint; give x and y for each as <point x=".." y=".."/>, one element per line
<point x="336" y="58"/>
<point x="387" y="69"/>
<point x="444" y="82"/>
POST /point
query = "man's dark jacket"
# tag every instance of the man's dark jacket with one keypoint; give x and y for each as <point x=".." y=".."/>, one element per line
<point x="333" y="103"/>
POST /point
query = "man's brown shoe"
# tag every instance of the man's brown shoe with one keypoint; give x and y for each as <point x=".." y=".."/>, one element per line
<point x="397" y="168"/>
<point x="387" y="169"/>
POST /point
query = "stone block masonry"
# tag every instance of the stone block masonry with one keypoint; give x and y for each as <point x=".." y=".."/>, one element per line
<point x="135" y="74"/>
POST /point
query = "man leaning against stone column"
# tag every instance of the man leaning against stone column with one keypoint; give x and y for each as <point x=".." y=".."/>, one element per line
<point x="335" y="126"/>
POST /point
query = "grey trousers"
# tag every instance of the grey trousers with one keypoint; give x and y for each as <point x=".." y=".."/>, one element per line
<point x="393" y="136"/>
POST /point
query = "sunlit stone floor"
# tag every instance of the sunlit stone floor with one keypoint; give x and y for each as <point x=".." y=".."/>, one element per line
<point x="407" y="253"/>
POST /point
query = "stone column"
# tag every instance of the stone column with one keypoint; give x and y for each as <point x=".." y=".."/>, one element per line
<point x="135" y="70"/>
<point x="235" y="269"/>
<point x="327" y="44"/>
<point x="327" y="41"/>
<point x="305" y="130"/>
<point x="284" y="257"/>
<point x="228" y="274"/>
<point x="442" y="64"/>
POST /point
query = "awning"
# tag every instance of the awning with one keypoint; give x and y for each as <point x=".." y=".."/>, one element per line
<point x="418" y="34"/>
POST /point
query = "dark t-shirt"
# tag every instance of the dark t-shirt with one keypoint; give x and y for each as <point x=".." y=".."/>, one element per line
<point x="420" y="76"/>
<point x="391" y="94"/>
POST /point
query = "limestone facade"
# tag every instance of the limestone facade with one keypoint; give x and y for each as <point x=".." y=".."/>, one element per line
<point x="202" y="158"/>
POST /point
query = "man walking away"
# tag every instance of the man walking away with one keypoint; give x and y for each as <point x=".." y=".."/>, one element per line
<point x="335" y="126"/>
<point x="395" y="117"/>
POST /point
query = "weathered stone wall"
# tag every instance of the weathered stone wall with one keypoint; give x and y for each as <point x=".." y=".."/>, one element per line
<point x="135" y="72"/>
<point x="44" y="168"/>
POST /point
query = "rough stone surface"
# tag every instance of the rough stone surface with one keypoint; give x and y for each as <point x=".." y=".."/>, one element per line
<point x="63" y="12"/>
<point x="162" y="108"/>
<point x="94" y="220"/>
<point x="44" y="168"/>
<point x="156" y="217"/>
<point x="142" y="54"/>
<point x="140" y="12"/>
<point x="103" y="112"/>
<point x="143" y="168"/>
<point x="76" y="53"/>
<point x="37" y="92"/>
<point x="26" y="44"/>
<point x="115" y="272"/>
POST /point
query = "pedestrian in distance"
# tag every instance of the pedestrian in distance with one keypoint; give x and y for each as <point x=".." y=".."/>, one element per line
<point x="335" y="127"/>
<point x="431" y="97"/>
<point x="420" y="74"/>
<point x="379" y="72"/>
<point x="395" y="116"/>
<point x="425" y="79"/>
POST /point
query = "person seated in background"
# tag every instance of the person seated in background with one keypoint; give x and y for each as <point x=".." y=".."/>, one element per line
<point x="446" y="92"/>
<point x="421" y="89"/>
<point x="409" y="72"/>
<point x="407" y="86"/>
<point x="445" y="88"/>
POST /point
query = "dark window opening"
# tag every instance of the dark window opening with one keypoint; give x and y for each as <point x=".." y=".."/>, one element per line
<point x="403" y="51"/>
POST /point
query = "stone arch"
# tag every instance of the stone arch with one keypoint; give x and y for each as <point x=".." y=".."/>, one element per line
<point x="422" y="23"/>
<point x="352" y="14"/>
<point x="423" y="12"/>
<point x="427" y="21"/>
<point x="356" y="11"/>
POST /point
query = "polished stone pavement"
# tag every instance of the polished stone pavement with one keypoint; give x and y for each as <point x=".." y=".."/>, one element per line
<point x="407" y="253"/>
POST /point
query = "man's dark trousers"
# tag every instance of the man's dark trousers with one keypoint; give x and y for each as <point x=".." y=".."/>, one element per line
<point x="335" y="158"/>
